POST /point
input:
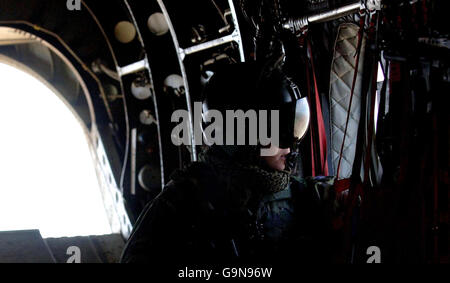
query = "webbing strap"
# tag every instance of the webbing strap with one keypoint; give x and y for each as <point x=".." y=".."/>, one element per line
<point x="365" y="131"/>
<point x="371" y="125"/>
<point x="371" y="122"/>
<point x="357" y="187"/>
<point x="435" y="188"/>
<point x="322" y="167"/>
<point x="312" y="128"/>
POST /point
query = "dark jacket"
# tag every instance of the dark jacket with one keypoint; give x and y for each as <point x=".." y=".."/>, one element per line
<point x="196" y="219"/>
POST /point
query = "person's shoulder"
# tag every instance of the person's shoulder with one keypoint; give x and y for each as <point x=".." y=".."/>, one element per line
<point x="194" y="174"/>
<point x="297" y="183"/>
<point x="188" y="183"/>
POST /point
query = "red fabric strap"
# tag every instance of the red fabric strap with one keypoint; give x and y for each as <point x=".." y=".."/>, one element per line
<point x="342" y="185"/>
<point x="322" y="168"/>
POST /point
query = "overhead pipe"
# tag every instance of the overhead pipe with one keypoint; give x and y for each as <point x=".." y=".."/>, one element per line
<point x="296" y="25"/>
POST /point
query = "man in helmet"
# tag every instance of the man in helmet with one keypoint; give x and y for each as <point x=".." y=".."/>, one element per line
<point x="234" y="204"/>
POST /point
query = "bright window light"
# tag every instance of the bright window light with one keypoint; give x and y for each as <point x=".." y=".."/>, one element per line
<point x="47" y="176"/>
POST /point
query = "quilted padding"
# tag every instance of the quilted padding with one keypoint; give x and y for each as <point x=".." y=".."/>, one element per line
<point x="342" y="72"/>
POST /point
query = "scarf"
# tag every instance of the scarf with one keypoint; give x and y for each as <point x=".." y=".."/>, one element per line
<point x="244" y="175"/>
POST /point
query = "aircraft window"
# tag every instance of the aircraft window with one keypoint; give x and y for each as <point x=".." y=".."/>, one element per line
<point x="47" y="176"/>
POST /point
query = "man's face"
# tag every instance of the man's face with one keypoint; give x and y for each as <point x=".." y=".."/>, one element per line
<point x="278" y="160"/>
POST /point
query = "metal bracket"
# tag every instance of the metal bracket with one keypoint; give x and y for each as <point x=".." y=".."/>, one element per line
<point x="133" y="68"/>
<point x="235" y="36"/>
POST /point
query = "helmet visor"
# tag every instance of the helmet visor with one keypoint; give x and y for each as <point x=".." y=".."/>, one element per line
<point x="295" y="119"/>
<point x="302" y="118"/>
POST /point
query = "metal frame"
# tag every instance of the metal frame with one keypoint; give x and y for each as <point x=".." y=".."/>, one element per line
<point x="235" y="36"/>
<point x="134" y="68"/>
<point x="111" y="193"/>
<point x="185" y="80"/>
